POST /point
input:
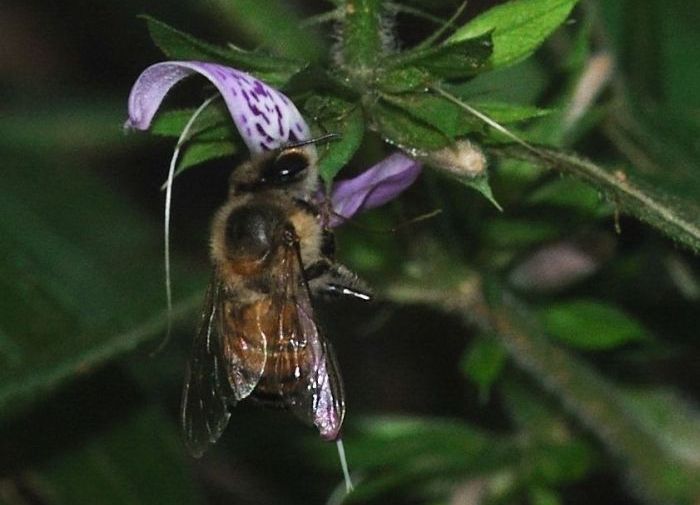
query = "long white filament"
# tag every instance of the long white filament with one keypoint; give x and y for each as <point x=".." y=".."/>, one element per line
<point x="184" y="137"/>
<point x="344" y="465"/>
<point x="493" y="124"/>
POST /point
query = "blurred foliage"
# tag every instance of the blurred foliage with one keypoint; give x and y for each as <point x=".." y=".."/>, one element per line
<point x="544" y="354"/>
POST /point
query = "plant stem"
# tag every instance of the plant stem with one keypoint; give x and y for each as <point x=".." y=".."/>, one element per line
<point x="677" y="220"/>
<point x="362" y="37"/>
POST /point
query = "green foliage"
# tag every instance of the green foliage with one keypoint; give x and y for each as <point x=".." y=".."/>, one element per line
<point x="484" y="363"/>
<point x="134" y="461"/>
<point x="457" y="60"/>
<point x="588" y="324"/>
<point x="213" y="136"/>
<point x="409" y="454"/>
<point x="67" y="266"/>
<point x="518" y="27"/>
<point x="332" y="115"/>
<point x="179" y="45"/>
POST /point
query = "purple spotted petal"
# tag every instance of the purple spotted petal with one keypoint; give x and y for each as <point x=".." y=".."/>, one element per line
<point x="373" y="187"/>
<point x="265" y="117"/>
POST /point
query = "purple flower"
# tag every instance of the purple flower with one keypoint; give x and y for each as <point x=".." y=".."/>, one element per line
<point x="267" y="119"/>
<point x="374" y="187"/>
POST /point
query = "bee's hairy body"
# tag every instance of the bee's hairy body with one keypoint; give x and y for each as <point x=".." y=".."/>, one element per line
<point x="247" y="238"/>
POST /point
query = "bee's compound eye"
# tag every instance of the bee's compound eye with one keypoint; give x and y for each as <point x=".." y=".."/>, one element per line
<point x="287" y="167"/>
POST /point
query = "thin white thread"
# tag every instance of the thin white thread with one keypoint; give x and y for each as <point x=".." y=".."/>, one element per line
<point x="184" y="137"/>
<point x="495" y="125"/>
<point x="344" y="464"/>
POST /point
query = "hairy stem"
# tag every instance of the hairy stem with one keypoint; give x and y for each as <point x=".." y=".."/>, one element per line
<point x="362" y="38"/>
<point x="631" y="195"/>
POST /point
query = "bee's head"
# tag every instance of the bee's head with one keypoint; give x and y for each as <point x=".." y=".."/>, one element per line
<point x="292" y="169"/>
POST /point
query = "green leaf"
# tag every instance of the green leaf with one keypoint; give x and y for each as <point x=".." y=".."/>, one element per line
<point x="137" y="460"/>
<point x="318" y="80"/>
<point x="62" y="127"/>
<point x="274" y="24"/>
<point x="179" y="45"/>
<point x="558" y="462"/>
<point x="212" y="136"/>
<point x="332" y="115"/>
<point x="457" y="60"/>
<point x="481" y="184"/>
<point x="591" y="325"/>
<point x="438" y="112"/>
<point x="517" y="27"/>
<point x="572" y="194"/>
<point x="196" y="153"/>
<point x="403" y="79"/>
<point x="544" y="496"/>
<point x="522" y="83"/>
<point x="73" y="265"/>
<point x="213" y="123"/>
<point x="484" y="362"/>
<point x="410" y="454"/>
<point x="517" y="233"/>
<point x="403" y="129"/>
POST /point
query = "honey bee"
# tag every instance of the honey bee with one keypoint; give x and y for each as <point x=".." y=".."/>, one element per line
<point x="258" y="337"/>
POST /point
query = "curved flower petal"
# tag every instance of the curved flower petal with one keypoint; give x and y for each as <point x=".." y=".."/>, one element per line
<point x="265" y="117"/>
<point x="374" y="187"/>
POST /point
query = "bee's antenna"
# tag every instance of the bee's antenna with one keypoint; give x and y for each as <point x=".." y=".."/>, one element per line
<point x="344" y="465"/>
<point x="184" y="137"/>
<point x="316" y="140"/>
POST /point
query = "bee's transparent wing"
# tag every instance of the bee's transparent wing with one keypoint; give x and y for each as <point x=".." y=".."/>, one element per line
<point x="207" y="392"/>
<point x="318" y="398"/>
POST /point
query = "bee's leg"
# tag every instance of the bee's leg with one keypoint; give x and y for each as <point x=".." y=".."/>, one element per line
<point x="333" y="280"/>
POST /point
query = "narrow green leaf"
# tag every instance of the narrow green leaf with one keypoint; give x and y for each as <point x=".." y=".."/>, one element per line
<point x="544" y="496"/>
<point x="518" y="27"/>
<point x="214" y="123"/>
<point x="572" y="194"/>
<point x="213" y="135"/>
<point x="274" y="24"/>
<point x="71" y="264"/>
<point x="179" y="45"/>
<point x="315" y="79"/>
<point x="332" y="115"/>
<point x="411" y="454"/>
<point x="196" y="153"/>
<point x="457" y="60"/>
<point x="518" y="233"/>
<point x="137" y="460"/>
<point x="484" y="362"/>
<point x="591" y="325"/>
<point x="59" y="127"/>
